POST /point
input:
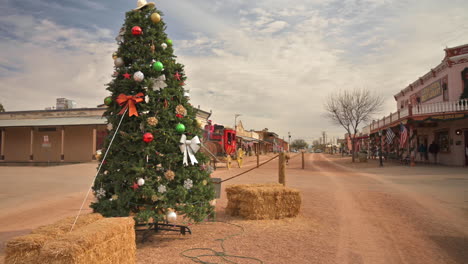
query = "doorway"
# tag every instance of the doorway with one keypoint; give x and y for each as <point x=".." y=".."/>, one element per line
<point x="423" y="155"/>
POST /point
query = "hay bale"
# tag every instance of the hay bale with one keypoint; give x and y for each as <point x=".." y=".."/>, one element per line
<point x="110" y="240"/>
<point x="26" y="249"/>
<point x="263" y="201"/>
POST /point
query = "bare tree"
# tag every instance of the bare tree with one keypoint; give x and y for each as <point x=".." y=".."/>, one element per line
<point x="351" y="108"/>
<point x="2" y="109"/>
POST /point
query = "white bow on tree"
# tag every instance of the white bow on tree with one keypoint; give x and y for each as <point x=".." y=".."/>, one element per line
<point x="189" y="148"/>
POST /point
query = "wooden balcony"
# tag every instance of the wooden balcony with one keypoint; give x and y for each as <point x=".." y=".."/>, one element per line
<point x="418" y="110"/>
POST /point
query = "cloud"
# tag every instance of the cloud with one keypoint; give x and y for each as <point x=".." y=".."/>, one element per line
<point x="273" y="63"/>
<point x="43" y="61"/>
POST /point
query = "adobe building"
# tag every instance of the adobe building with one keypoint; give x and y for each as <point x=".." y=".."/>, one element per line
<point x="56" y="136"/>
<point x="434" y="108"/>
<point x="249" y="141"/>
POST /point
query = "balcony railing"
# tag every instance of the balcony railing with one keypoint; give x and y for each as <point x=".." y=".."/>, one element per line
<point x="420" y="109"/>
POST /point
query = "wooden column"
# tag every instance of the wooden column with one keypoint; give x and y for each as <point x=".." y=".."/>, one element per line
<point x="62" y="146"/>
<point x="282" y="169"/>
<point x="2" y="149"/>
<point x="303" y="162"/>
<point x="93" y="157"/>
<point x="31" y="145"/>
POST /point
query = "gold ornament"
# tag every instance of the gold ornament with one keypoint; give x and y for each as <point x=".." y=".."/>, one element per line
<point x="180" y="110"/>
<point x="114" y="55"/>
<point x="154" y="198"/>
<point x="115" y="197"/>
<point x="204" y="182"/>
<point x="155" y="17"/>
<point x="98" y="154"/>
<point x="169" y="175"/>
<point x="152" y="47"/>
<point x="152" y="121"/>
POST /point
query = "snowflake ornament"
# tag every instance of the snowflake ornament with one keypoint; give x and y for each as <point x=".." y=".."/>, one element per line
<point x="100" y="193"/>
<point x="188" y="184"/>
<point x="162" y="189"/>
<point x="159" y="83"/>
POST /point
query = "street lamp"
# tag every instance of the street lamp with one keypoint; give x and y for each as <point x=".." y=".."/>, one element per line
<point x="289" y="141"/>
<point x="380" y="148"/>
<point x="235" y="121"/>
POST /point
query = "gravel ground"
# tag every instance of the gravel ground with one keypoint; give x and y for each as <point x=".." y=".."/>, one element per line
<point x="351" y="213"/>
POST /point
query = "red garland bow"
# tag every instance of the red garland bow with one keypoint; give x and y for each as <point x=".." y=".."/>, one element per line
<point x="129" y="101"/>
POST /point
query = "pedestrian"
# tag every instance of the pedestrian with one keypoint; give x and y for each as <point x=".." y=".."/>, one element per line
<point x="434" y="149"/>
<point x="422" y="149"/>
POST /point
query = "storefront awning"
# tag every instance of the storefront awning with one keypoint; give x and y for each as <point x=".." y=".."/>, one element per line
<point x="249" y="139"/>
<point x="61" y="121"/>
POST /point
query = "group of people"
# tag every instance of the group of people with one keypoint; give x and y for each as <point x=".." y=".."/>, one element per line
<point x="433" y="150"/>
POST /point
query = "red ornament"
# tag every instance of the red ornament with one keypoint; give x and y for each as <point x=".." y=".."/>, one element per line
<point x="137" y="31"/>
<point x="182" y="84"/>
<point x="148" y="137"/>
<point x="126" y="75"/>
<point x="135" y="186"/>
<point x="179" y="115"/>
<point x="177" y="76"/>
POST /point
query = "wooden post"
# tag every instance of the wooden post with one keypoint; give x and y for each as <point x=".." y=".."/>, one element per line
<point x="62" y="147"/>
<point x="31" y="144"/>
<point x="258" y="160"/>
<point x="2" y="146"/>
<point x="93" y="150"/>
<point x="303" y="163"/>
<point x="282" y="169"/>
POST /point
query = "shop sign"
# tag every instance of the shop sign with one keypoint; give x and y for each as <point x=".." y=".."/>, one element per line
<point x="431" y="91"/>
<point x="46" y="142"/>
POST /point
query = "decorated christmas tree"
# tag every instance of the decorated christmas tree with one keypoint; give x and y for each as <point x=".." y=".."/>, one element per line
<point x="151" y="167"/>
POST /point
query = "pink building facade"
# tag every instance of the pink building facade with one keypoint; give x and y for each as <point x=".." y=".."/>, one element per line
<point x="434" y="108"/>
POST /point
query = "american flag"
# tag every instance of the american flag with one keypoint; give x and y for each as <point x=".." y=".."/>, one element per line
<point x="403" y="135"/>
<point x="390" y="136"/>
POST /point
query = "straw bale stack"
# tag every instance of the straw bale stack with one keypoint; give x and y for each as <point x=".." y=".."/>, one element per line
<point x="263" y="201"/>
<point x="94" y="239"/>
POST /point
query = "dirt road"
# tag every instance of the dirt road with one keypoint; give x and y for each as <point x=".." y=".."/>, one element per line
<point x="383" y="222"/>
<point x="348" y="216"/>
<point x="362" y="215"/>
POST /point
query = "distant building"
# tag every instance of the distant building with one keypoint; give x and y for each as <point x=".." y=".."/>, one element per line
<point x="433" y="108"/>
<point x="61" y="135"/>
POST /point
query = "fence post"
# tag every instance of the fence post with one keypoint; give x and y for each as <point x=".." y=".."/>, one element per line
<point x="258" y="160"/>
<point x="282" y="169"/>
<point x="303" y="163"/>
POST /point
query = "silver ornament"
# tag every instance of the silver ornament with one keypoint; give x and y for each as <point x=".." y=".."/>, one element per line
<point x="118" y="62"/>
<point x="171" y="217"/>
<point x="164" y="46"/>
<point x="141" y="181"/>
<point x="138" y="76"/>
<point x="147" y="98"/>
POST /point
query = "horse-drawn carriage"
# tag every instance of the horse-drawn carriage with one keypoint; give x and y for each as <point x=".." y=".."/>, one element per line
<point x="220" y="144"/>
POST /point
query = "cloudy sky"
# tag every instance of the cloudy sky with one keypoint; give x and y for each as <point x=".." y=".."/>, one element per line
<point x="274" y="62"/>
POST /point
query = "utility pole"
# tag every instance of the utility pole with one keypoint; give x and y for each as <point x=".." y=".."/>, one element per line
<point x="289" y="141"/>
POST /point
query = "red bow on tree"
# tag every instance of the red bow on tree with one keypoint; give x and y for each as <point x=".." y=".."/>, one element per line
<point x="129" y="101"/>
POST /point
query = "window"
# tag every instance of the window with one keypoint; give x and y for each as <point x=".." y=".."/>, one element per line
<point x="442" y="138"/>
<point x="445" y="90"/>
<point x="46" y="129"/>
